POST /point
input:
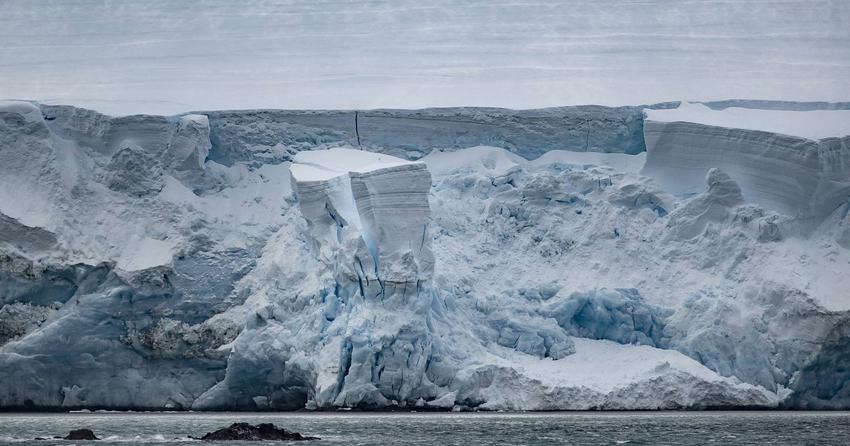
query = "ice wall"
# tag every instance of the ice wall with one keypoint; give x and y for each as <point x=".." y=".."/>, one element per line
<point x="107" y="260"/>
<point x="246" y="261"/>
<point x="804" y="176"/>
<point x="274" y="135"/>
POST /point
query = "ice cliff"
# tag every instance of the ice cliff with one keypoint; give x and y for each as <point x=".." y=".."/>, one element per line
<point x="796" y="163"/>
<point x="372" y="206"/>
<point x="272" y="260"/>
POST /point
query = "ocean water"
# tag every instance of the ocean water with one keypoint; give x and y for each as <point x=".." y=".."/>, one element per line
<point x="445" y="429"/>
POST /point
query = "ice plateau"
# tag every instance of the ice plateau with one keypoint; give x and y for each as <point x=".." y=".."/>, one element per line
<point x="571" y="258"/>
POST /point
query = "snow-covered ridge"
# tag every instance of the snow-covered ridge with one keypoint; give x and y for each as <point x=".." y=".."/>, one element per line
<point x="262" y="260"/>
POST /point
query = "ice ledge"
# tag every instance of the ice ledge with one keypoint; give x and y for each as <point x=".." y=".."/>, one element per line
<point x="809" y="124"/>
<point x="322" y="165"/>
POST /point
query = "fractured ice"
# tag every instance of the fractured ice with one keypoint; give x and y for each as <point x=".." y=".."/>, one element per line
<point x="265" y="260"/>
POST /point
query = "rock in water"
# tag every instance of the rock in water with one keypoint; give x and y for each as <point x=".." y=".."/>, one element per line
<point x="80" y="434"/>
<point x="247" y="432"/>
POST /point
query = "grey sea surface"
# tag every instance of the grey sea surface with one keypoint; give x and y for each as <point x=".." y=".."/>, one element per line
<point x="350" y="428"/>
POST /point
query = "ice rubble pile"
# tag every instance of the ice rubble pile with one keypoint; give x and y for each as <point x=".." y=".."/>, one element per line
<point x="150" y="262"/>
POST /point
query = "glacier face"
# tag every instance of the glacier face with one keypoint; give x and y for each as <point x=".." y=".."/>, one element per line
<point x="796" y="163"/>
<point x="261" y="260"/>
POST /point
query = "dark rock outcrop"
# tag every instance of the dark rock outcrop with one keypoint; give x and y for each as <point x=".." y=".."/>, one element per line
<point x="248" y="432"/>
<point x="80" y="434"/>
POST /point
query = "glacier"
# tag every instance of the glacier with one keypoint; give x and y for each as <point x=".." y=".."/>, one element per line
<point x="795" y="163"/>
<point x="441" y="259"/>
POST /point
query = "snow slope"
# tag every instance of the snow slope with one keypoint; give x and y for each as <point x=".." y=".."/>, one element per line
<point x="163" y="57"/>
<point x="138" y="271"/>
